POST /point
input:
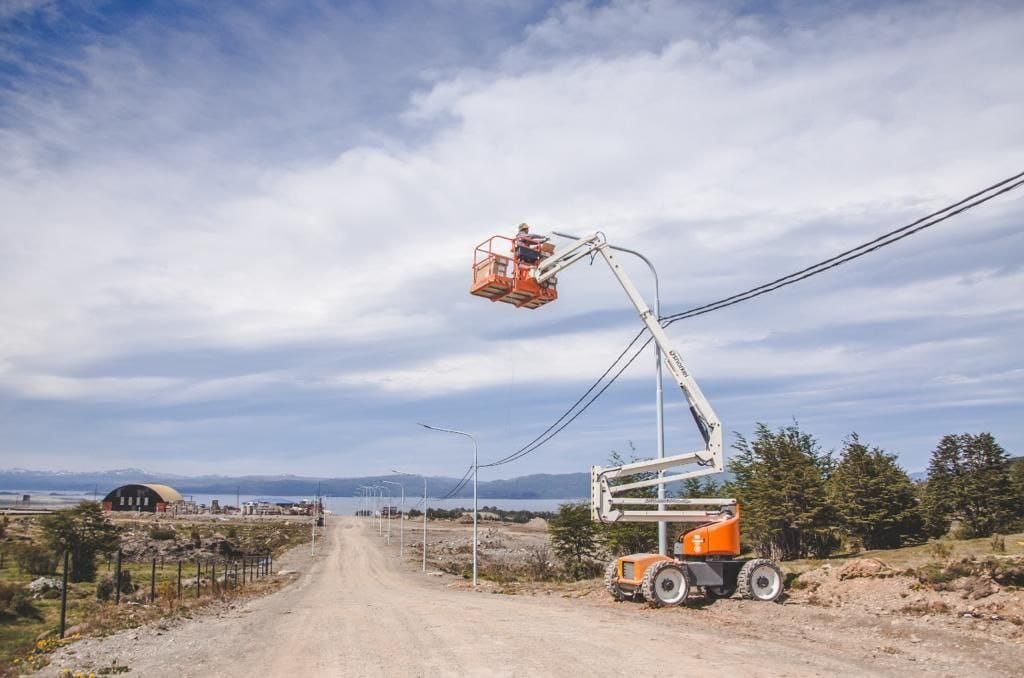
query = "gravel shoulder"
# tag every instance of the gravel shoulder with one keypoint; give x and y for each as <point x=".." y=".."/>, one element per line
<point x="357" y="610"/>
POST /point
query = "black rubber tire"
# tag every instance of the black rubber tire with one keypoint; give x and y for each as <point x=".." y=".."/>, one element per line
<point x="611" y="573"/>
<point x="754" y="590"/>
<point x="716" y="592"/>
<point x="651" y="592"/>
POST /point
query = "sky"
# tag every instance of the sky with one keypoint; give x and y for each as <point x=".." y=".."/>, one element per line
<point x="236" y="237"/>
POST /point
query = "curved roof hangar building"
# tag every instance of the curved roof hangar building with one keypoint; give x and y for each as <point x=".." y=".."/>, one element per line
<point x="150" y="497"/>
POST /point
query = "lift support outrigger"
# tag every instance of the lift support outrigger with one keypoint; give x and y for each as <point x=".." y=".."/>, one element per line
<point x="706" y="554"/>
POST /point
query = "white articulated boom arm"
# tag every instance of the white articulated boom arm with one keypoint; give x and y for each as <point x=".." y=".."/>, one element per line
<point x="605" y="497"/>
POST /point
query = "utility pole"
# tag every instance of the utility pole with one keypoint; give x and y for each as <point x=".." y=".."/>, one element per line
<point x="476" y="473"/>
<point x="401" y="520"/>
<point x="362" y="504"/>
<point x="424" y="515"/>
<point x="659" y="394"/>
<point x="312" y="546"/>
<point x="387" y="507"/>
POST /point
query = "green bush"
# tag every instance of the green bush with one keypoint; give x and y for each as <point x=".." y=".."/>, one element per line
<point x="15" y="601"/>
<point x="105" y="586"/>
<point x="941" y="549"/>
<point x="35" y="559"/>
<point x="574" y="538"/>
<point x="82" y="531"/>
<point x="998" y="543"/>
<point x="162" y="533"/>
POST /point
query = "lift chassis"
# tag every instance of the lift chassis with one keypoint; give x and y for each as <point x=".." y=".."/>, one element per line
<point x="704" y="556"/>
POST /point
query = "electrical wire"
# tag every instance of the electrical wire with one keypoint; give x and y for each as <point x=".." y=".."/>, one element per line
<point x="937" y="217"/>
<point x="515" y="455"/>
<point x="459" y="485"/>
<point x="888" y="238"/>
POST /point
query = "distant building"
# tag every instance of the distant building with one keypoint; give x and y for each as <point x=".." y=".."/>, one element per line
<point x="148" y="497"/>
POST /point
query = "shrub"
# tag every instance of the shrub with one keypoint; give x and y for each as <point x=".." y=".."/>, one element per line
<point x="15" y="601"/>
<point x="162" y="533"/>
<point x="941" y="549"/>
<point x="105" y="586"/>
<point x="875" y="500"/>
<point x="941" y="574"/>
<point x="35" y="559"/>
<point x="83" y="531"/>
<point x="126" y="582"/>
<point x="574" y="537"/>
<point x="539" y="564"/>
<point x="780" y="480"/>
<point x="998" y="543"/>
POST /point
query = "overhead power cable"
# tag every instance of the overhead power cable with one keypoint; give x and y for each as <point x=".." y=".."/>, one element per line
<point x="895" y="235"/>
<point x="888" y="238"/>
<point x="569" y="412"/>
<point x="459" y="485"/>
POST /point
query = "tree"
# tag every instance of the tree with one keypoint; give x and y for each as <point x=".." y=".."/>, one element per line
<point x="874" y="498"/>
<point x="84" y="531"/>
<point x="623" y="538"/>
<point x="574" y="537"/>
<point x="779" y="480"/>
<point x="693" y="488"/>
<point x="1017" y="486"/>
<point x="969" y="479"/>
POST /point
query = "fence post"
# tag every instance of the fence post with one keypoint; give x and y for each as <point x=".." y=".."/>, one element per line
<point x="179" y="579"/>
<point x="270" y="563"/>
<point x="117" y="579"/>
<point x="213" y="579"/>
<point x="198" y="571"/>
<point x="64" y="593"/>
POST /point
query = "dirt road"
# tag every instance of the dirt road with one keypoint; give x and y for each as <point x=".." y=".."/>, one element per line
<point x="356" y="610"/>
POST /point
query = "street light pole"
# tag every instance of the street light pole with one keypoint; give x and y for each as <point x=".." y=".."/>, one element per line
<point x="380" y="511"/>
<point x="364" y="503"/>
<point x="476" y="473"/>
<point x="424" y="515"/>
<point x="401" y="520"/>
<point x="659" y="395"/>
<point x="376" y="504"/>
<point x="387" y="507"/>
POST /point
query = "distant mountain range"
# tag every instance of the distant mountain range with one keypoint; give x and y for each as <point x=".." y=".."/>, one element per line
<point x="538" y="486"/>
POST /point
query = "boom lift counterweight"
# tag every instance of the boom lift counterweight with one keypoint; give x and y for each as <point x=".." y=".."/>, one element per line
<point x="706" y="554"/>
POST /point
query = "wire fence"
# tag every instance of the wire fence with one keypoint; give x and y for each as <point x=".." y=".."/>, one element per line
<point x="157" y="579"/>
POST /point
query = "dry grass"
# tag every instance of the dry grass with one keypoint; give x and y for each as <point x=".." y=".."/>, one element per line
<point x="88" y="616"/>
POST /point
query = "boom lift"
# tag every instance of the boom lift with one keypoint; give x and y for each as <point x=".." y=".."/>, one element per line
<point x="705" y="555"/>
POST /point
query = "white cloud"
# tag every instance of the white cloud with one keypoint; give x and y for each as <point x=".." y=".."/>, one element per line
<point x="166" y="198"/>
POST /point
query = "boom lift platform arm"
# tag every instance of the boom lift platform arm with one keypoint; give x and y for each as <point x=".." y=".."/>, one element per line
<point x="607" y="500"/>
<point x="705" y="555"/>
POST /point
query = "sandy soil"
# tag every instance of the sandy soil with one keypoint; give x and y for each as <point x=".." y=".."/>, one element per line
<point x="357" y="610"/>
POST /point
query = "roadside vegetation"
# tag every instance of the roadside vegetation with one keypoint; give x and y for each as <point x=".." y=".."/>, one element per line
<point x="800" y="502"/>
<point x="31" y="568"/>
